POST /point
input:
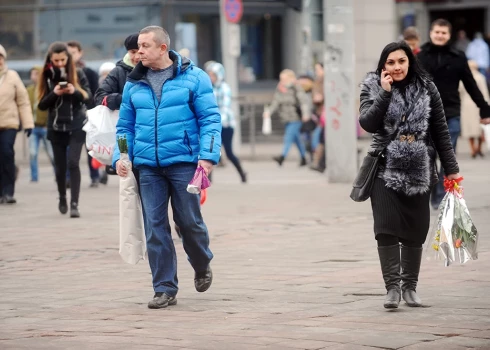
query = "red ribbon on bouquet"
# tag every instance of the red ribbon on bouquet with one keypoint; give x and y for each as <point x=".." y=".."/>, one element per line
<point x="453" y="186"/>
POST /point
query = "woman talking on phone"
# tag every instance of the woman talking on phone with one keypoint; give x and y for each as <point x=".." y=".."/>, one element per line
<point x="401" y="107"/>
<point x="63" y="91"/>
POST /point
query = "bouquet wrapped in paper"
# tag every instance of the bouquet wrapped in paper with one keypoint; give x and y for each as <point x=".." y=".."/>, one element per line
<point x="132" y="240"/>
<point x="199" y="182"/>
<point x="455" y="238"/>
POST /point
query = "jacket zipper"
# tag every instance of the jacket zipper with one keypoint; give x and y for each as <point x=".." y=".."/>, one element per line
<point x="156" y="127"/>
<point x="156" y="116"/>
<point x="212" y="144"/>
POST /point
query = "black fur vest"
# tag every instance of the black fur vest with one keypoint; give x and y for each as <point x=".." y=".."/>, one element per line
<point x="408" y="162"/>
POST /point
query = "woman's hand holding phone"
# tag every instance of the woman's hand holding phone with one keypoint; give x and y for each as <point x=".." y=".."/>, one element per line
<point x="386" y="80"/>
<point x="70" y="89"/>
<point x="58" y="90"/>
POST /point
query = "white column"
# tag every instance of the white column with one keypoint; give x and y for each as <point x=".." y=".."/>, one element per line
<point x="339" y="64"/>
<point x="230" y="51"/>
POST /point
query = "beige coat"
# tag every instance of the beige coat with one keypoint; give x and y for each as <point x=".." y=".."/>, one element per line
<point x="15" y="107"/>
<point x="470" y="113"/>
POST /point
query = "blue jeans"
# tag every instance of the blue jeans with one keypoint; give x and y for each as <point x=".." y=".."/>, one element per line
<point x="315" y="137"/>
<point x="94" y="173"/>
<point x="38" y="136"/>
<point x="292" y="134"/>
<point x="454" y="126"/>
<point x="157" y="187"/>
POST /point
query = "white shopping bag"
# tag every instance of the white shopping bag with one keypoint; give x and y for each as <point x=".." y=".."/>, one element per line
<point x="266" y="122"/>
<point x="101" y="133"/>
<point x="486" y="132"/>
<point x="132" y="240"/>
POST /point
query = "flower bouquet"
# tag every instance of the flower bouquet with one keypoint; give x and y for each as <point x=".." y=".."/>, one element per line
<point x="132" y="241"/>
<point x="455" y="238"/>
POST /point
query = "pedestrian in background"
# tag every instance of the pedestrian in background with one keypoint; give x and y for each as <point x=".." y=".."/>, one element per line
<point x="63" y="91"/>
<point x="104" y="70"/>
<point x="448" y="67"/>
<point x="479" y="52"/>
<point x="76" y="51"/>
<point x="318" y="142"/>
<point x="111" y="88"/>
<point x="222" y="93"/>
<point x="412" y="38"/>
<point x="409" y="142"/>
<point x="291" y="103"/>
<point x="15" y="112"/>
<point x="470" y="118"/>
<point x="172" y="124"/>
<point x="40" y="132"/>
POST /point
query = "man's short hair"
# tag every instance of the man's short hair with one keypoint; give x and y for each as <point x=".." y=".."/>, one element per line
<point x="161" y="35"/>
<point x="74" y="43"/>
<point x="441" y="22"/>
<point x="411" y="33"/>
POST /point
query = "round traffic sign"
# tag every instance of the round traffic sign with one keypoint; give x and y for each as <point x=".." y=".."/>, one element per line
<point x="233" y="10"/>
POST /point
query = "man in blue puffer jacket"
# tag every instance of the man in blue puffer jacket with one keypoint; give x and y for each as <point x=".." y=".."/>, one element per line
<point x="172" y="124"/>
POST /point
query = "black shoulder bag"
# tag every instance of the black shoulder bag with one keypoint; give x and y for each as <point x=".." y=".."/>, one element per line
<point x="363" y="184"/>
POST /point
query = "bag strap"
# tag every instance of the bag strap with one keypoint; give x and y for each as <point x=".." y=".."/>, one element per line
<point x="410" y="110"/>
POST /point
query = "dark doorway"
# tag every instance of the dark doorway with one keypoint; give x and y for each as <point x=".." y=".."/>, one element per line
<point x="469" y="20"/>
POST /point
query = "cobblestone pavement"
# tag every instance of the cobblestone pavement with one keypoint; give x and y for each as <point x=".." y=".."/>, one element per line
<point x="295" y="267"/>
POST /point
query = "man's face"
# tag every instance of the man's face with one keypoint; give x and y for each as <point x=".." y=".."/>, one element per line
<point x="149" y="51"/>
<point x="134" y="56"/>
<point x="75" y="54"/>
<point x="34" y="76"/>
<point x="440" y="35"/>
<point x="2" y="62"/>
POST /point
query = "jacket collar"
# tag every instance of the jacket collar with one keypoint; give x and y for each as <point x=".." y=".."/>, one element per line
<point x="180" y="65"/>
<point x="429" y="47"/>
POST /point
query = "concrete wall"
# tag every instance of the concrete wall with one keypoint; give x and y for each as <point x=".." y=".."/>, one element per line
<point x="375" y="25"/>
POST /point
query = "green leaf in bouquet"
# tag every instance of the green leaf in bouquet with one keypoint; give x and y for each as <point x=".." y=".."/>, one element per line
<point x="466" y="221"/>
<point x="122" y="142"/>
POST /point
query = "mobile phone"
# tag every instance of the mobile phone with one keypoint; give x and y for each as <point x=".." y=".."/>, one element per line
<point x="63" y="84"/>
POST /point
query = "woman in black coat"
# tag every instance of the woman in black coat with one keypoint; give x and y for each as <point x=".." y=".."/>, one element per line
<point x="401" y="191"/>
<point x="63" y="91"/>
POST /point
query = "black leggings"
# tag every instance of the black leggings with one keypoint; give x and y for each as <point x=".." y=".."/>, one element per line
<point x="387" y="240"/>
<point x="71" y="143"/>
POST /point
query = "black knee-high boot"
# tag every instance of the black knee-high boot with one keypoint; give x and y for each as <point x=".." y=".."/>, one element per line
<point x="389" y="257"/>
<point x="410" y="263"/>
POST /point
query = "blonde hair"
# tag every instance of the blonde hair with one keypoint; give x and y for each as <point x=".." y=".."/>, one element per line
<point x="288" y="73"/>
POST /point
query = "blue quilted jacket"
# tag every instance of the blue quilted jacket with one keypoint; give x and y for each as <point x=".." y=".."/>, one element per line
<point x="184" y="127"/>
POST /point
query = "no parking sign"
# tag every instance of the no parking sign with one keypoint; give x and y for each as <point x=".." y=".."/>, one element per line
<point x="233" y="10"/>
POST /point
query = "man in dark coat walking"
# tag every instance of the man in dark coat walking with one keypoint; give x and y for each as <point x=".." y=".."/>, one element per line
<point x="112" y="87"/>
<point x="448" y="66"/>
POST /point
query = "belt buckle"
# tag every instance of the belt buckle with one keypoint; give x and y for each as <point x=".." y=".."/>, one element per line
<point x="408" y="138"/>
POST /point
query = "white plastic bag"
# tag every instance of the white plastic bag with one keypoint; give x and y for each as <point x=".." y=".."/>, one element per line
<point x="486" y="132"/>
<point x="132" y="240"/>
<point x="266" y="122"/>
<point x="101" y="133"/>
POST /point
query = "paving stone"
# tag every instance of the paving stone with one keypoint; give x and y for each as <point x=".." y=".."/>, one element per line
<point x="296" y="269"/>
